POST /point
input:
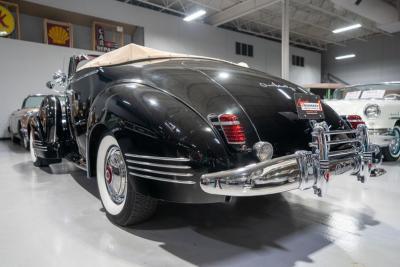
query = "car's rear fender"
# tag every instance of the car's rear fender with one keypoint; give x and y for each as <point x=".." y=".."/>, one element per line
<point x="150" y="123"/>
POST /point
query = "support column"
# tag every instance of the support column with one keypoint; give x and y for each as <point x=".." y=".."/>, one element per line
<point x="285" y="40"/>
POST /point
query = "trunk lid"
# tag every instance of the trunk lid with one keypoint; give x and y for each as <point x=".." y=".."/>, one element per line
<point x="264" y="104"/>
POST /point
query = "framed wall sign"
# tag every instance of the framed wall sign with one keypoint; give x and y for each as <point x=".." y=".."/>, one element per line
<point x="58" y="33"/>
<point x="107" y="37"/>
<point x="9" y="20"/>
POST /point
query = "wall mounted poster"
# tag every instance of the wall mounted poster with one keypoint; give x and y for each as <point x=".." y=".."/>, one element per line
<point x="58" y="33"/>
<point x="9" y="20"/>
<point x="107" y="37"/>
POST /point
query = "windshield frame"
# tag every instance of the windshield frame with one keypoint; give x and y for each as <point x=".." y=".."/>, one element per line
<point x="32" y="96"/>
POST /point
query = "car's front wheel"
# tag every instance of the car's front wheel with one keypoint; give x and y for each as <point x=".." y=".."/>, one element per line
<point x="392" y="152"/>
<point x="123" y="205"/>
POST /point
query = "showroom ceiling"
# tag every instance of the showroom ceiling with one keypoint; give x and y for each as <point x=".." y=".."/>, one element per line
<point x="311" y="21"/>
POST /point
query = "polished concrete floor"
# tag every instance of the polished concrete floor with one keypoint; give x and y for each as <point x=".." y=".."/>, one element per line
<point x="52" y="217"/>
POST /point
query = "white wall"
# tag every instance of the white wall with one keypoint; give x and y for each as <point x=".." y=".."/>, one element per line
<point x="170" y="33"/>
<point x="26" y="66"/>
<point x="24" y="69"/>
<point x="377" y="60"/>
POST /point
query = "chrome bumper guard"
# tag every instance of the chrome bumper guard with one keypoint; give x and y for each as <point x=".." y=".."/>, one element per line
<point x="302" y="170"/>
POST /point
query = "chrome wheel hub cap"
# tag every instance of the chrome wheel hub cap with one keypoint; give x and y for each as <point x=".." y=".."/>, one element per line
<point x="115" y="175"/>
<point x="395" y="145"/>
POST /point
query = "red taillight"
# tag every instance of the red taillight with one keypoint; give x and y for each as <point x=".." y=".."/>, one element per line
<point x="354" y="120"/>
<point x="233" y="131"/>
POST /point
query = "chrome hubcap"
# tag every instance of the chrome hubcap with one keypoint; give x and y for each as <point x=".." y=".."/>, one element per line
<point x="395" y="146"/>
<point x="115" y="175"/>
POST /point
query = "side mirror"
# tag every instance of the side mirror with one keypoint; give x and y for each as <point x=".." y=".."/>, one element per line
<point x="50" y="85"/>
<point x="59" y="76"/>
<point x="59" y="79"/>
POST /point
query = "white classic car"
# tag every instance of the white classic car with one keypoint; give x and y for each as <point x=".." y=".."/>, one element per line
<point x="376" y="105"/>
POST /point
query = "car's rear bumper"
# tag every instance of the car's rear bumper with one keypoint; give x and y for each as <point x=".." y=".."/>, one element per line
<point x="297" y="171"/>
<point x="381" y="137"/>
<point x="304" y="169"/>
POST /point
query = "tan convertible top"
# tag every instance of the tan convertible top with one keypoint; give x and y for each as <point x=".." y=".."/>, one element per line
<point x="130" y="52"/>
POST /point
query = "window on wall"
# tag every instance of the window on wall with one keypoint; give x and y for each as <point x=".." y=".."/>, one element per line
<point x="244" y="49"/>
<point x="297" y="61"/>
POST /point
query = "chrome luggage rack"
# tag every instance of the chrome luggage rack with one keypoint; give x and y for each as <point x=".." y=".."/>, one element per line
<point x="301" y="170"/>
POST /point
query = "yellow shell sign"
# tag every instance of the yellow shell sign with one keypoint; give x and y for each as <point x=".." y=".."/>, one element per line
<point x="58" y="35"/>
<point x="7" y="22"/>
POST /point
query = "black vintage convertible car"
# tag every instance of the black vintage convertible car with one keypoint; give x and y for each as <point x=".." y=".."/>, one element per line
<point x="153" y="126"/>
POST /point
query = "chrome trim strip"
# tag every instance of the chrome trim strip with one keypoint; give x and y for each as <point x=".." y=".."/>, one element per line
<point x="40" y="149"/>
<point x="55" y="119"/>
<point x="183" y="167"/>
<point x="161" y="179"/>
<point x="249" y="168"/>
<point x="341" y="132"/>
<point x="342" y="153"/>
<point x="87" y="75"/>
<point x="225" y="123"/>
<point x="343" y="141"/>
<point x="161" y="172"/>
<point x="156" y="158"/>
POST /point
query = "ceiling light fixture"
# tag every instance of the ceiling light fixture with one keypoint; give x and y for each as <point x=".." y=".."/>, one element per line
<point x="345" y="56"/>
<point x="347" y="28"/>
<point x="195" y="15"/>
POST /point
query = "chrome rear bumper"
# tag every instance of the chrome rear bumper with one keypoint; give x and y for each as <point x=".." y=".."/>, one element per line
<point x="302" y="170"/>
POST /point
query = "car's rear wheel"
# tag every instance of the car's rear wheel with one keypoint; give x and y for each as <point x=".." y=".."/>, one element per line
<point x="123" y="205"/>
<point x="392" y="152"/>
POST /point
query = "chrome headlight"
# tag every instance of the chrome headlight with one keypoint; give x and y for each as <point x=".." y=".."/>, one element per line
<point x="372" y="111"/>
<point x="263" y="150"/>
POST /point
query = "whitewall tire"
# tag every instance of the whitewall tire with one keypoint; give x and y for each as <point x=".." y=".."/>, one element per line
<point x="123" y="205"/>
<point x="392" y="153"/>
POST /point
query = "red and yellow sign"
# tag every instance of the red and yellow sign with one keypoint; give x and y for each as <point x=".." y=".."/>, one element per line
<point x="7" y="22"/>
<point x="58" y="33"/>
